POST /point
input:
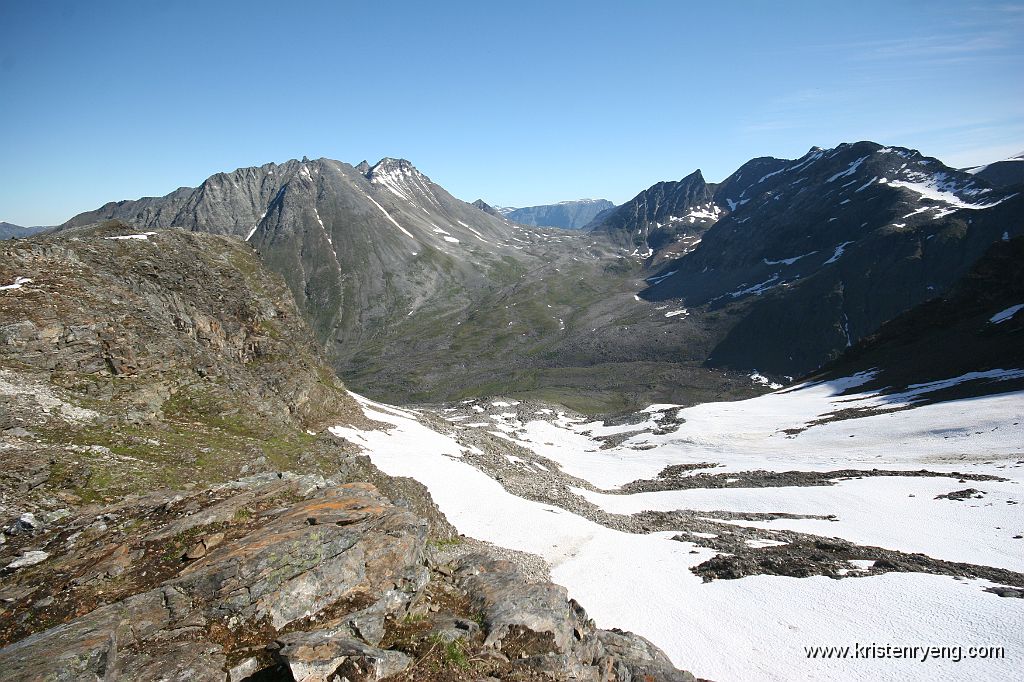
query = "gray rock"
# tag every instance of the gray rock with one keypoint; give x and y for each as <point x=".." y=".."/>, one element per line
<point x="323" y="655"/>
<point x="87" y="647"/>
<point x="311" y="556"/>
<point x="243" y="670"/>
<point x="26" y="524"/>
<point x="192" y="661"/>
<point x="29" y="558"/>
<point x="635" y="658"/>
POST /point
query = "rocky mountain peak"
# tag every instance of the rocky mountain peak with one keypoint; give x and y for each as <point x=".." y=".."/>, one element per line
<point x="695" y="176"/>
<point x="486" y="208"/>
<point x="667" y="217"/>
<point x="391" y="166"/>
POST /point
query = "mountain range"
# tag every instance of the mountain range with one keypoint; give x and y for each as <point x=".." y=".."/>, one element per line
<point x="12" y="231"/>
<point x="190" y="492"/>
<point x="678" y="294"/>
<point x="569" y="215"/>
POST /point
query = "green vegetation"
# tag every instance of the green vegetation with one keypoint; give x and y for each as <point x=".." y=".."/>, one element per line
<point x="454" y="653"/>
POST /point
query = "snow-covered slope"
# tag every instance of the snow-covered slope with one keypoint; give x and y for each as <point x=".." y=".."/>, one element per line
<point x="738" y="535"/>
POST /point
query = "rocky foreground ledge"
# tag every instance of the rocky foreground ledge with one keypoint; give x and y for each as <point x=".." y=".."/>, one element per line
<point x="288" y="577"/>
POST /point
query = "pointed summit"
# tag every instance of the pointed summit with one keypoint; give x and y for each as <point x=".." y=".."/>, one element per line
<point x="363" y="167"/>
<point x="487" y="208"/>
<point x="391" y="166"/>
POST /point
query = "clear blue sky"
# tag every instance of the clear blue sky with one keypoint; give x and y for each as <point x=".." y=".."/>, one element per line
<point x="519" y="103"/>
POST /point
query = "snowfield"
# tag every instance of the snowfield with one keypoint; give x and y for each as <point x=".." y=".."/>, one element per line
<point x="758" y="626"/>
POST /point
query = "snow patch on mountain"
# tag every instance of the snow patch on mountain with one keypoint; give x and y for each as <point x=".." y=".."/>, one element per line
<point x="1004" y="315"/>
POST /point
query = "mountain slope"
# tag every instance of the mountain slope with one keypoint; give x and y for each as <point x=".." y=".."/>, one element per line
<point x="569" y="215"/>
<point x="1003" y="173"/>
<point x="816" y="253"/>
<point x="356" y="246"/>
<point x="976" y="327"/>
<point x="11" y="231"/>
<point x="184" y="337"/>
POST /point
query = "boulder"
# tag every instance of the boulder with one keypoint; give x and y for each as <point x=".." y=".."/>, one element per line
<point x="328" y="655"/>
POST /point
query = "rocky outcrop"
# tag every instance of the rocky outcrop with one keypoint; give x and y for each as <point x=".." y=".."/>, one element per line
<point x="300" y="578"/>
<point x="175" y="352"/>
<point x="537" y="625"/>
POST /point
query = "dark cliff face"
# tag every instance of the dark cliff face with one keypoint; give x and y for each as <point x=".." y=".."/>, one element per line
<point x="487" y="208"/>
<point x="568" y="215"/>
<point x="977" y="326"/>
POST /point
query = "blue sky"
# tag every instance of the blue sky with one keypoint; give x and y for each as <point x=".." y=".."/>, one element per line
<point x="519" y="103"/>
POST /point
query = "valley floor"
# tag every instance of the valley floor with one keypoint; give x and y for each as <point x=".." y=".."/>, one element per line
<point x="740" y="536"/>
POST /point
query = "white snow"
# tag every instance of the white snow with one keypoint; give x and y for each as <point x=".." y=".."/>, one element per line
<point x="866" y="184"/>
<point x="872" y="511"/>
<point x="138" y="237"/>
<point x="758" y="288"/>
<point x="939" y="187"/>
<point x="660" y="278"/>
<point x="761" y="543"/>
<point x="475" y="233"/>
<point x="18" y="283"/>
<point x="761" y="379"/>
<point x="850" y="170"/>
<point x="788" y="261"/>
<point x="703" y="212"/>
<point x="978" y="169"/>
<point x="681" y="311"/>
<point x="1002" y="315"/>
<point x="774" y="173"/>
<point x="750" y="434"/>
<point x="758" y="627"/>
<point x="453" y="240"/>
<point x="838" y="253"/>
<point x="393" y="221"/>
<point x="257" y="224"/>
<point x="405" y="182"/>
